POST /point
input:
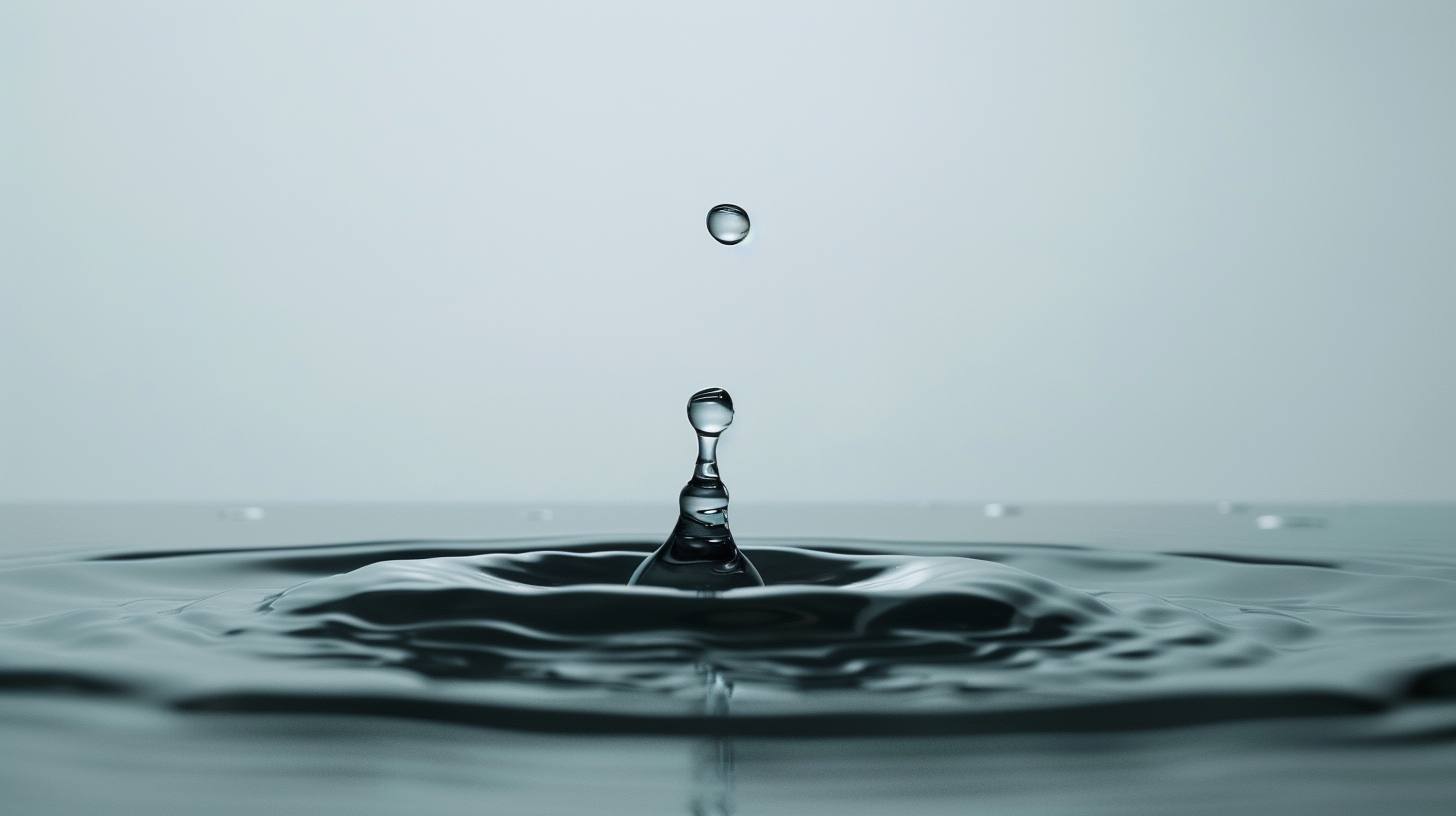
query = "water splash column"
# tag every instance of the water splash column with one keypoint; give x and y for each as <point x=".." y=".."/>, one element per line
<point x="700" y="554"/>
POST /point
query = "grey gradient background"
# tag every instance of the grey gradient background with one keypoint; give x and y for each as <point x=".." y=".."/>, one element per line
<point x="455" y="251"/>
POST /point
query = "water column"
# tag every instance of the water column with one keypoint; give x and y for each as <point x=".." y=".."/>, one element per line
<point x="701" y="554"/>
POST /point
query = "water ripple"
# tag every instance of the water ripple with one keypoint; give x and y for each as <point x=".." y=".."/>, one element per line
<point x="1006" y="638"/>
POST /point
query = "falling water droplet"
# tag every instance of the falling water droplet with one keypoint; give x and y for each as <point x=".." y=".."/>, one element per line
<point x="728" y="223"/>
<point x="701" y="554"/>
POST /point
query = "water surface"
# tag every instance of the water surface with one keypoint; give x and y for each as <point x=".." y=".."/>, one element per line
<point x="862" y="676"/>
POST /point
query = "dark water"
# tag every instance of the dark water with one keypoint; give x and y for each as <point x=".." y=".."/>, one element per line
<point x="862" y="677"/>
<point x="1004" y="639"/>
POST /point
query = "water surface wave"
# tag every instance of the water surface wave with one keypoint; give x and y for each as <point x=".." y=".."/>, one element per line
<point x="846" y="637"/>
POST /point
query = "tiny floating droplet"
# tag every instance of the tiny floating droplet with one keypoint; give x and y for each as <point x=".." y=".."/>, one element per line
<point x="998" y="510"/>
<point x="728" y="223"/>
<point x="241" y="514"/>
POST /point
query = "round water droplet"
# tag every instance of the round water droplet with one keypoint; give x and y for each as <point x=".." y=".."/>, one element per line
<point x="710" y="411"/>
<point x="728" y="223"/>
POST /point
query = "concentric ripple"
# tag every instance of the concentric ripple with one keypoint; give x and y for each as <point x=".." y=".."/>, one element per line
<point x="1003" y="638"/>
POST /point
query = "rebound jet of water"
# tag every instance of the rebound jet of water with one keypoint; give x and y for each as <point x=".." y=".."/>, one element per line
<point x="728" y="224"/>
<point x="700" y="553"/>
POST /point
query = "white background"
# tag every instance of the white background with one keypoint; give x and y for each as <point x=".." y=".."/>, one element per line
<point x="455" y="251"/>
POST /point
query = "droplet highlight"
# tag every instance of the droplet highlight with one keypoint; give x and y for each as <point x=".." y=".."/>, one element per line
<point x="728" y="224"/>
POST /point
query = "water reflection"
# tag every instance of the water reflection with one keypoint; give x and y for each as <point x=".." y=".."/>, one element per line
<point x="712" y="778"/>
<point x="712" y="791"/>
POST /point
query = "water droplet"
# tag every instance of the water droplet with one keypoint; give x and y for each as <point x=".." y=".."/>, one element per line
<point x="701" y="554"/>
<point x="710" y="411"/>
<point x="537" y="514"/>
<point x="241" y="514"/>
<point x="728" y="223"/>
<point x="998" y="510"/>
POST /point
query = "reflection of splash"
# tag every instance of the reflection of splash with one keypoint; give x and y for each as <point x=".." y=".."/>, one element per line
<point x="712" y="778"/>
<point x="713" y="758"/>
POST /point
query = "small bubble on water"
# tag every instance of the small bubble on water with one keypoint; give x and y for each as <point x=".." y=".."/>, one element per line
<point x="998" y="510"/>
<point x="537" y="514"/>
<point x="728" y="223"/>
<point x="241" y="514"/>
<point x="1288" y="522"/>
